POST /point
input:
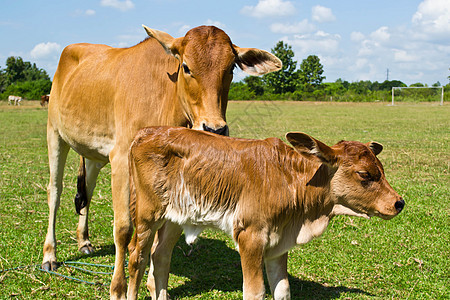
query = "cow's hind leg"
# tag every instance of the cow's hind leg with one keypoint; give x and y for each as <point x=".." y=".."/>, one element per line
<point x="276" y="269"/>
<point x="158" y="275"/>
<point x="92" y="170"/>
<point x="57" y="155"/>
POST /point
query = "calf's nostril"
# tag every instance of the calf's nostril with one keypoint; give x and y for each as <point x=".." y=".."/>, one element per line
<point x="399" y="205"/>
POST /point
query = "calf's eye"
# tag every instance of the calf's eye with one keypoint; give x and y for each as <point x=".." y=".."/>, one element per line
<point x="364" y="175"/>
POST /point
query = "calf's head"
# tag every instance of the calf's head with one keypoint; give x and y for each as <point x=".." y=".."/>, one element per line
<point x="207" y="58"/>
<point x="358" y="185"/>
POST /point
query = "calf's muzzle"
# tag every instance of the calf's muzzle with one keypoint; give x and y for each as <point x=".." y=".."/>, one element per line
<point x="399" y="205"/>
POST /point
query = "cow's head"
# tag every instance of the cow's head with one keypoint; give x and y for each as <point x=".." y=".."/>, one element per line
<point x="207" y="58"/>
<point x="358" y="185"/>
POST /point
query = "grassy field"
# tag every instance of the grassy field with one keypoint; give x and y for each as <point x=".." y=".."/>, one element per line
<point x="405" y="258"/>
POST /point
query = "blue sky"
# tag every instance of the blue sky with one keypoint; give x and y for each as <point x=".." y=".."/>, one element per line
<point x="355" y="40"/>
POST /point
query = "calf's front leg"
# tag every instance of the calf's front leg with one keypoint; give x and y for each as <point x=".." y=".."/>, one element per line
<point x="276" y="269"/>
<point x="163" y="245"/>
<point x="251" y="249"/>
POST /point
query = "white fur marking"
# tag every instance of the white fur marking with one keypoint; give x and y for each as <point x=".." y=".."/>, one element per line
<point x="310" y="230"/>
<point x="195" y="215"/>
<point x="339" y="209"/>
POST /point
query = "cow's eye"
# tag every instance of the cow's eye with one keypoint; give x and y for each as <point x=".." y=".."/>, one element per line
<point x="186" y="69"/>
<point x="364" y="175"/>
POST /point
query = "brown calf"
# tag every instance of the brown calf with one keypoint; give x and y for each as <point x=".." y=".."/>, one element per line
<point x="267" y="195"/>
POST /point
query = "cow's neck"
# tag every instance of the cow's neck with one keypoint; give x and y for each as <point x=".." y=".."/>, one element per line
<point x="169" y="108"/>
<point x="314" y="202"/>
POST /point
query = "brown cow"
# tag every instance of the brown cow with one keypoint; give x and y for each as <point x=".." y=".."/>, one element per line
<point x="267" y="195"/>
<point x="101" y="96"/>
<point x="44" y="99"/>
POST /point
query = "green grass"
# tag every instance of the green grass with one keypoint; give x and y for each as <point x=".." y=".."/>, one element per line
<point x="405" y="258"/>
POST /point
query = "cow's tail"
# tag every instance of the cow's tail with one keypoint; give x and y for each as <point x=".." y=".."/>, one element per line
<point x="81" y="199"/>
<point x="132" y="244"/>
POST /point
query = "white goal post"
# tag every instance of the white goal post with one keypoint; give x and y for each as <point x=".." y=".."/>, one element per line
<point x="419" y="87"/>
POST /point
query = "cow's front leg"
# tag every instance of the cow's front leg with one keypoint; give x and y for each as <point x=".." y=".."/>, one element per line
<point x="251" y="243"/>
<point x="276" y="269"/>
<point x="123" y="227"/>
<point x="92" y="171"/>
<point x="57" y="155"/>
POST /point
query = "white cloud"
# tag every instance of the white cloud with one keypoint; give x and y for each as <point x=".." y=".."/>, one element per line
<point x="295" y="28"/>
<point x="120" y="5"/>
<point x="357" y="36"/>
<point x="184" y="29"/>
<point x="381" y="34"/>
<point x="44" y="50"/>
<point x="319" y="43"/>
<point x="269" y="8"/>
<point x="215" y="23"/>
<point x="89" y="12"/>
<point x="401" y="55"/>
<point x="433" y="18"/>
<point x="322" y="14"/>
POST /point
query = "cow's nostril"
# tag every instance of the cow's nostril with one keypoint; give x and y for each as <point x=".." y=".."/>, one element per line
<point x="222" y="131"/>
<point x="399" y="205"/>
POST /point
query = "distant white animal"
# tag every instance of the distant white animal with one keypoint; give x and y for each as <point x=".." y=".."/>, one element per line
<point x="15" y="100"/>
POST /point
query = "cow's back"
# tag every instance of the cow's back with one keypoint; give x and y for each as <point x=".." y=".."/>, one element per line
<point x="101" y="94"/>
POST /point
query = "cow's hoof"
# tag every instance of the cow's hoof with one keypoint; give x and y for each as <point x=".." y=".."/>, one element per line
<point x="50" y="266"/>
<point x="87" y="249"/>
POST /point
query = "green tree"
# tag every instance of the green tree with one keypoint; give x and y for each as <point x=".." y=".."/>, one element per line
<point x="255" y="84"/>
<point x="310" y="73"/>
<point x="18" y="70"/>
<point x="22" y="78"/>
<point x="285" y="80"/>
<point x="388" y="85"/>
<point x="3" y="84"/>
<point x="240" y="91"/>
<point x="361" y="87"/>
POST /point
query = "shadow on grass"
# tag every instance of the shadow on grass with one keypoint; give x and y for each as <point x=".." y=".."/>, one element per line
<point x="214" y="266"/>
<point x="100" y="251"/>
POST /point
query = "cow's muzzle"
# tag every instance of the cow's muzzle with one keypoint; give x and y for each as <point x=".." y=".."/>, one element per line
<point x="222" y="130"/>
<point x="399" y="205"/>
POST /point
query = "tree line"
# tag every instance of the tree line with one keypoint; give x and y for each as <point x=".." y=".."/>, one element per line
<point x="306" y="83"/>
<point x="294" y="81"/>
<point x="24" y="79"/>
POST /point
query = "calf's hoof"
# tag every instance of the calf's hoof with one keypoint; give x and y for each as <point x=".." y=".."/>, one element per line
<point x="87" y="249"/>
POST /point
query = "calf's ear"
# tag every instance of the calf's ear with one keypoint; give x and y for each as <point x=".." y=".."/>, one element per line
<point x="166" y="40"/>
<point x="257" y="62"/>
<point x="375" y="147"/>
<point x="309" y="146"/>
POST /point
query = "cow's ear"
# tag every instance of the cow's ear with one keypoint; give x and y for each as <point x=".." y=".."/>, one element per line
<point x="256" y="62"/>
<point x="375" y="147"/>
<point x="166" y="40"/>
<point x="311" y="147"/>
